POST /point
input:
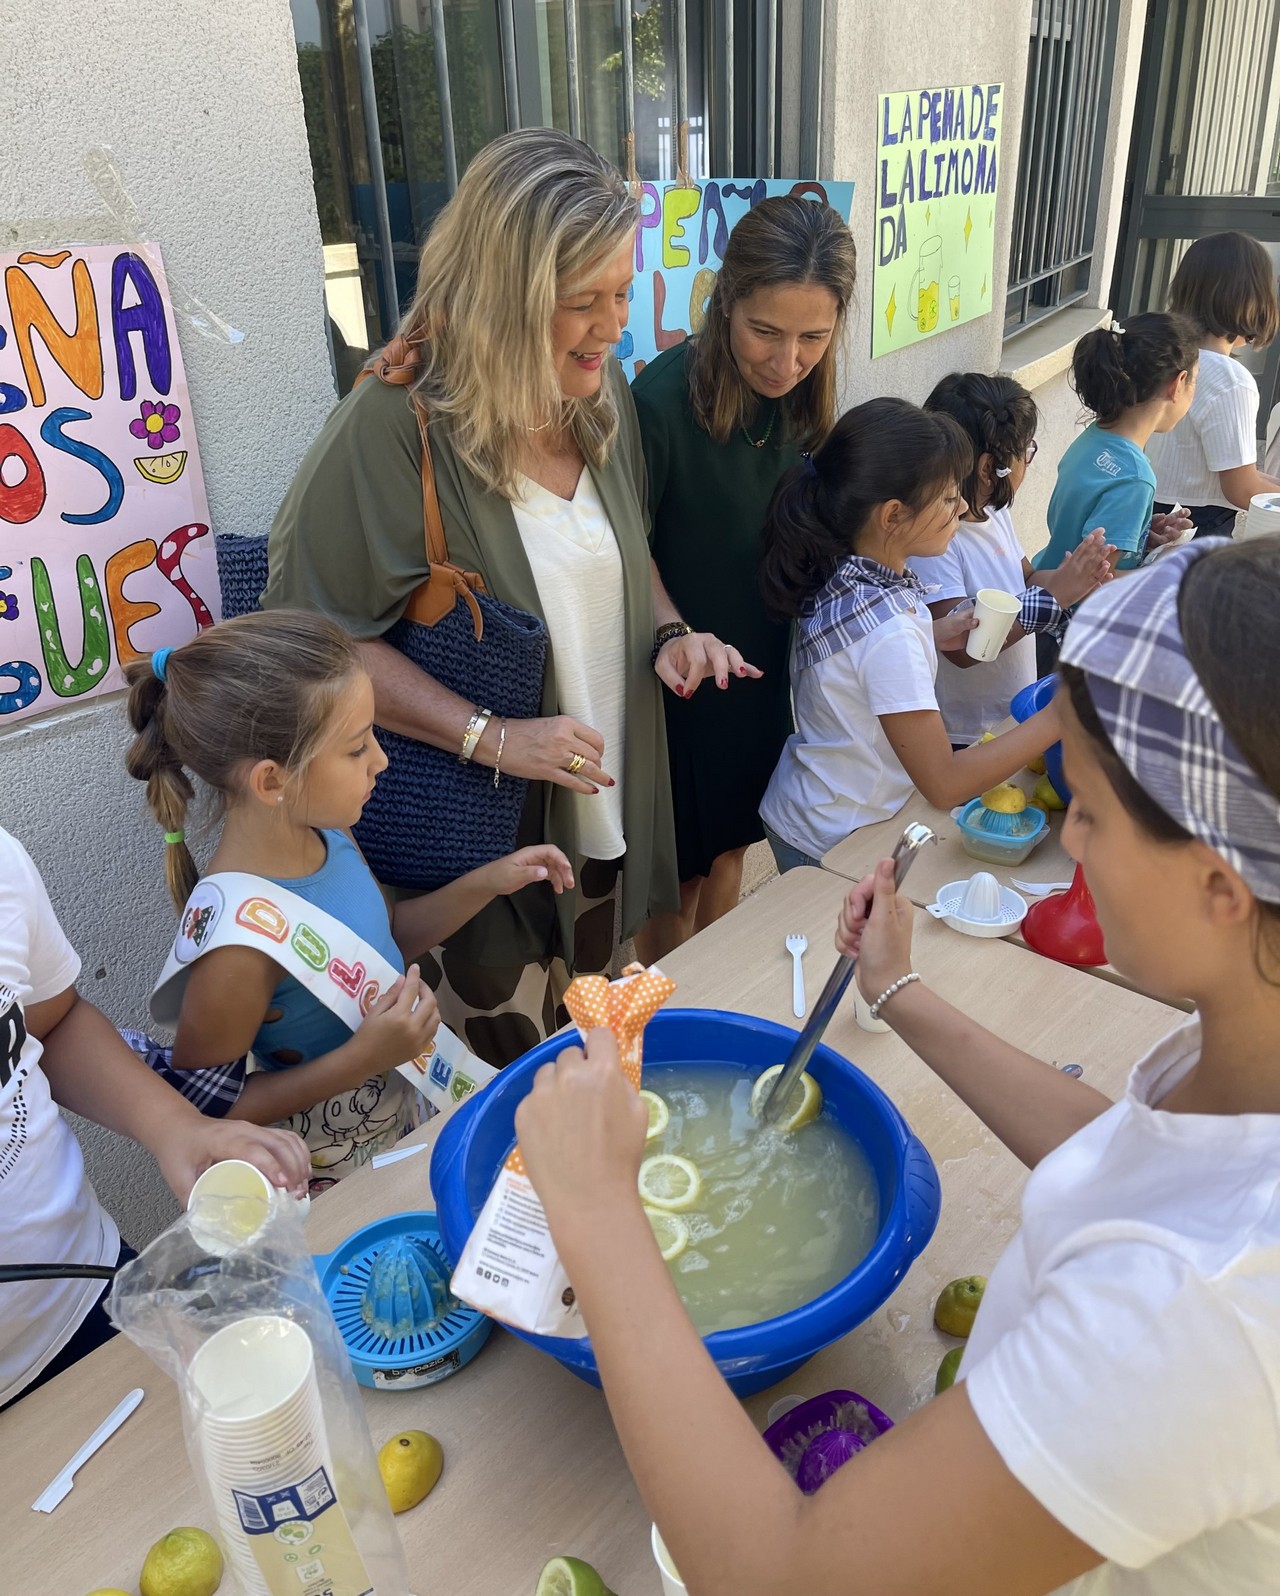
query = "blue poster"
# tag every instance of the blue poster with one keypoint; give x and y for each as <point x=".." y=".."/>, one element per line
<point x="679" y="246"/>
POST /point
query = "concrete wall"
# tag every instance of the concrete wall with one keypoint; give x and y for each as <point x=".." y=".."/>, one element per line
<point x="202" y="111"/>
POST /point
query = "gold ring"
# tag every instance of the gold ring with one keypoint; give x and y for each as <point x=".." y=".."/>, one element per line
<point x="576" y="764"/>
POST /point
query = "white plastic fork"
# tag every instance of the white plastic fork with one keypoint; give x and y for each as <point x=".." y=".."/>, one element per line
<point x="797" y="947"/>
<point x="1040" y="888"/>
<point x="60" y="1487"/>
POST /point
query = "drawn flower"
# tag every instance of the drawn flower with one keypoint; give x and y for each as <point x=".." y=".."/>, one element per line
<point x="158" y="424"/>
<point x="8" y="606"/>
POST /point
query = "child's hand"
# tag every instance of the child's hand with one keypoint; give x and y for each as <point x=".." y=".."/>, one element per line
<point x="400" y="1025"/>
<point x="875" y="929"/>
<point x="1165" y="528"/>
<point x="527" y="865"/>
<point x="582" y="1130"/>
<point x="1086" y="567"/>
<point x="194" y="1143"/>
<point x="951" y="632"/>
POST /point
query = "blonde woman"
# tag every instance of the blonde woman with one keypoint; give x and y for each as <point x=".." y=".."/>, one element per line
<point x="522" y="291"/>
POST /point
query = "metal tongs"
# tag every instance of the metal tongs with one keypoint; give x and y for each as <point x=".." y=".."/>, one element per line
<point x="909" y="844"/>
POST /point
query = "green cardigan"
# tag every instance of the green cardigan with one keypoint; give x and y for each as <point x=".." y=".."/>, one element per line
<point x="348" y="541"/>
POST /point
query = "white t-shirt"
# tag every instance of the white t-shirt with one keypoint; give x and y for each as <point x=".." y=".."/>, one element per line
<point x="1218" y="433"/>
<point x="982" y="554"/>
<point x="48" y="1210"/>
<point x="1125" y="1362"/>
<point x="576" y="565"/>
<point x="837" y="771"/>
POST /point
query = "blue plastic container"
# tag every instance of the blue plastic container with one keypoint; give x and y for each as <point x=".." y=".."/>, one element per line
<point x="1030" y="701"/>
<point x="475" y="1142"/>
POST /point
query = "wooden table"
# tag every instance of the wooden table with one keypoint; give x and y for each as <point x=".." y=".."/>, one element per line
<point x="532" y="1465"/>
<point x="934" y="867"/>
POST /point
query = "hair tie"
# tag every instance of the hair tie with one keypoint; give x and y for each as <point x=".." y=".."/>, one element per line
<point x="808" y="462"/>
<point x="173" y="838"/>
<point x="1004" y="471"/>
<point x="160" y="664"/>
<point x="1117" y="329"/>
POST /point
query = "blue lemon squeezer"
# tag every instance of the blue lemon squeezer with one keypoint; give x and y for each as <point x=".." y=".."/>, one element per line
<point x="388" y="1287"/>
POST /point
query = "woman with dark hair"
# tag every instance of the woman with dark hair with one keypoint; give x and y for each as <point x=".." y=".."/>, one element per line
<point x="722" y="417"/>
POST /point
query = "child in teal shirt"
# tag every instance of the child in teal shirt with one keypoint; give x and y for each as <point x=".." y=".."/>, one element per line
<point x="1138" y="380"/>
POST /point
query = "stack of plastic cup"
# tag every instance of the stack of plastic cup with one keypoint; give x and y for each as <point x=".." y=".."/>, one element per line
<point x="260" y="1427"/>
<point x="1263" y="517"/>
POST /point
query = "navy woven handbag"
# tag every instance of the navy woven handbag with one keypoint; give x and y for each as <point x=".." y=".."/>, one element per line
<point x="432" y="817"/>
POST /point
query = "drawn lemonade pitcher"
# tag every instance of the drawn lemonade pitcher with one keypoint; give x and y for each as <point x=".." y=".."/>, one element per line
<point x="925" y="293"/>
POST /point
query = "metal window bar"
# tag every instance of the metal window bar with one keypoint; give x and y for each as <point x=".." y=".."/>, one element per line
<point x="1064" y="121"/>
<point x="447" y="149"/>
<point x="510" y="71"/>
<point x="377" y="174"/>
<point x="571" y="68"/>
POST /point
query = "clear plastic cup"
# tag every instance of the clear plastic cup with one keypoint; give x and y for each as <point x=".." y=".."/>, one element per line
<point x="672" y="1584"/>
<point x="995" y="612"/>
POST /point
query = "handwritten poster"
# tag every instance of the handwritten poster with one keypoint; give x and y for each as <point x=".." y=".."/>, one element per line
<point x="936" y="173"/>
<point x="679" y="247"/>
<point x="105" y="548"/>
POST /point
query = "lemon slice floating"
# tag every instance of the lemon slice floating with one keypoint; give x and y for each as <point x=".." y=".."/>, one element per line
<point x="659" y="1114"/>
<point x="670" y="1183"/>
<point x="669" y="1231"/>
<point x="803" y="1104"/>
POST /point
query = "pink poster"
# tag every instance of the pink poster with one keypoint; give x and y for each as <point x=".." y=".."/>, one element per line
<point x="105" y="548"/>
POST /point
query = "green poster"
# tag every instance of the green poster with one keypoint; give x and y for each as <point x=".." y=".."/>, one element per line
<point x="936" y="173"/>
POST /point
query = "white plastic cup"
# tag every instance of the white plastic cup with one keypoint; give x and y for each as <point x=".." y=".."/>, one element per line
<point x="231" y="1202"/>
<point x="1263" y="517"/>
<point x="862" y="1016"/>
<point x="995" y="612"/>
<point x="672" y="1584"/>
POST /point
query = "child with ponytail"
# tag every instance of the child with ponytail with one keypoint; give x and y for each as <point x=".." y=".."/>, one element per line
<point x="274" y="713"/>
<point x="999" y="418"/>
<point x="1138" y="380"/>
<point x="882" y="490"/>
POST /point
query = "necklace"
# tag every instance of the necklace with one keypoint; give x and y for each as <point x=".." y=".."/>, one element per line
<point x="759" y="443"/>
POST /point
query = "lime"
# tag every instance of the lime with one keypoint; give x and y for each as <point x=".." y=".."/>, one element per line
<point x="185" y="1562"/>
<point x="410" y="1464"/>
<point x="947" y="1371"/>
<point x="669" y="1182"/>
<point x="659" y="1114"/>
<point x="958" y="1305"/>
<point x="802" y="1106"/>
<point x="669" y="1231"/>
<point x="570" y="1576"/>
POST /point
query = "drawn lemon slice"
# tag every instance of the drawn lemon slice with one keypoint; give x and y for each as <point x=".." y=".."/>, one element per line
<point x="803" y="1104"/>
<point x="659" y="1114"/>
<point x="669" y="1182"/>
<point x="162" y="468"/>
<point x="669" y="1231"/>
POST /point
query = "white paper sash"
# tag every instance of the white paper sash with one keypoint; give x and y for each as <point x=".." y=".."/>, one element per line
<point x="335" y="964"/>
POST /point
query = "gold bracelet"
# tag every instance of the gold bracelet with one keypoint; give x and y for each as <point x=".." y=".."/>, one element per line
<point x="473" y="734"/>
<point x="502" y="743"/>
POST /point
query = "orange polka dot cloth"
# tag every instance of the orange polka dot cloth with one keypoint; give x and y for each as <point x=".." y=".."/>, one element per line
<point x="625" y="1007"/>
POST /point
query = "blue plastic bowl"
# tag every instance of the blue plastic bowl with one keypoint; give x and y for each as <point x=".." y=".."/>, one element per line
<point x="1030" y="701"/>
<point x="475" y="1142"/>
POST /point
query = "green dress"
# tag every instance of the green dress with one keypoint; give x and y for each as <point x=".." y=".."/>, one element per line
<point x="708" y="503"/>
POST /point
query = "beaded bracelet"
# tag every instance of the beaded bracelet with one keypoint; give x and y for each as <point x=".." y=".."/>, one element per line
<point x="664" y="634"/>
<point x="890" y="991"/>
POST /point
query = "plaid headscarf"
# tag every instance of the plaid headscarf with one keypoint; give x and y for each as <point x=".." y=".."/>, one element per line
<point x="1127" y="640"/>
<point x="859" y="597"/>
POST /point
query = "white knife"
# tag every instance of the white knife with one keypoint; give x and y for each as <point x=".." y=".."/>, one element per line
<point x="61" y="1486"/>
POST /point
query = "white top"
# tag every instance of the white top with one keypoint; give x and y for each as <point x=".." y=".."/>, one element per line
<point x="837" y="771"/>
<point x="1125" y="1362"/>
<point x="48" y="1210"/>
<point x="982" y="554"/>
<point x="578" y="571"/>
<point x="1218" y="433"/>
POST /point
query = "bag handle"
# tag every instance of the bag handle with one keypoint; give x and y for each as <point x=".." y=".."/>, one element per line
<point x="397" y="365"/>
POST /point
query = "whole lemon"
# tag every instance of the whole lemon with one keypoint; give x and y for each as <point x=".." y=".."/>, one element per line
<point x="947" y="1371"/>
<point x="957" y="1306"/>
<point x="410" y="1464"/>
<point x="1047" y="794"/>
<point x="185" y="1562"/>
<point x="1036" y="767"/>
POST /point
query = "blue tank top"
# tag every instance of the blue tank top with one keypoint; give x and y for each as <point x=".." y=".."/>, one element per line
<point x="344" y="887"/>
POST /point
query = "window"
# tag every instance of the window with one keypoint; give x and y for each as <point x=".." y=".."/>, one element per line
<point x="1064" y="129"/>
